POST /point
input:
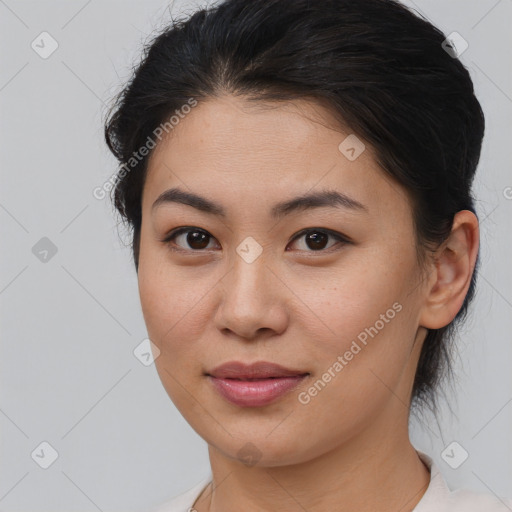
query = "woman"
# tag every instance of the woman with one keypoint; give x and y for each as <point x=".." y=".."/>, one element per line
<point x="298" y="176"/>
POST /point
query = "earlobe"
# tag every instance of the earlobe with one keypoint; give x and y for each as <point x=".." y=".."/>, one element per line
<point x="451" y="272"/>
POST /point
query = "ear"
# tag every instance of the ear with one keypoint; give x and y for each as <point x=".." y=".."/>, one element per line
<point x="450" y="276"/>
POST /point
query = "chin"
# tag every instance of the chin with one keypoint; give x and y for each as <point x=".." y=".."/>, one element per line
<point x="255" y="447"/>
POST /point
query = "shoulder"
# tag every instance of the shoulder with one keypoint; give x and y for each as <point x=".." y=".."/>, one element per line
<point x="464" y="500"/>
<point x="184" y="501"/>
<point x="439" y="497"/>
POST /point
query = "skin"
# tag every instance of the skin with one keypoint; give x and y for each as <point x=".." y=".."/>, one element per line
<point x="348" y="448"/>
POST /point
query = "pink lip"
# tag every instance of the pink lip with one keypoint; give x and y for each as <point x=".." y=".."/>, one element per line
<point x="256" y="384"/>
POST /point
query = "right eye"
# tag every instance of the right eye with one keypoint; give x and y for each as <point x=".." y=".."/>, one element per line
<point x="196" y="239"/>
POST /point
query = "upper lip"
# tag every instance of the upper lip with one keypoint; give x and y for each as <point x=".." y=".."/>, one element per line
<point x="258" y="370"/>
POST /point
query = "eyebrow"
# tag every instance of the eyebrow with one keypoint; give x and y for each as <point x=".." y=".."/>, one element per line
<point x="323" y="198"/>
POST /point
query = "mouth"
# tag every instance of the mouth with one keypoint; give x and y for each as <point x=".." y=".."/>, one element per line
<point x="254" y="385"/>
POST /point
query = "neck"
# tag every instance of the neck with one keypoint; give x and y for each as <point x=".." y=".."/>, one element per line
<point x="377" y="470"/>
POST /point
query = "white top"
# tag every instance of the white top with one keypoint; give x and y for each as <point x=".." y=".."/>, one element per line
<point x="437" y="498"/>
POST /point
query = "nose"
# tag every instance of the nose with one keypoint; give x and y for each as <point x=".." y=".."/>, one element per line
<point x="252" y="302"/>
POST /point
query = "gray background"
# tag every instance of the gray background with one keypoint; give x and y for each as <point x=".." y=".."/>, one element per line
<point x="69" y="325"/>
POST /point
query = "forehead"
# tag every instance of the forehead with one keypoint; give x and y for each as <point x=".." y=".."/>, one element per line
<point x="231" y="125"/>
<point x="229" y="146"/>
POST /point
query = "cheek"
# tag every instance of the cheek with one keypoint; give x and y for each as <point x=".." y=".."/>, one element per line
<point x="175" y="306"/>
<point x="345" y="302"/>
<point x="165" y="306"/>
<point x="363" y="317"/>
<point x="358" y="350"/>
<point x="172" y="313"/>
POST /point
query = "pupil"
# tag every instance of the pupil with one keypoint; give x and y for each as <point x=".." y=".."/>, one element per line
<point x="317" y="240"/>
<point x="197" y="239"/>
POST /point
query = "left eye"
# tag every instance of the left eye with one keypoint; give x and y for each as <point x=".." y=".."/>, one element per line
<point x="198" y="239"/>
<point x="316" y="239"/>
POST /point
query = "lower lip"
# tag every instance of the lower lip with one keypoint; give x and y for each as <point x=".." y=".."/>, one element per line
<point x="255" y="393"/>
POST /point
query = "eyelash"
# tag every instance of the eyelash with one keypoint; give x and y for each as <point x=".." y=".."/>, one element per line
<point x="178" y="231"/>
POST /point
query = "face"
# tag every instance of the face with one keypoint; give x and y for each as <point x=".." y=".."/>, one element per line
<point x="327" y="290"/>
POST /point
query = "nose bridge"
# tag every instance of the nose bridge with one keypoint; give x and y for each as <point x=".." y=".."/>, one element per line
<point x="248" y="301"/>
<point x="248" y="277"/>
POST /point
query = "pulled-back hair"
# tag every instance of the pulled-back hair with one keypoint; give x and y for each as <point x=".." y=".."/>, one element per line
<point x="381" y="70"/>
